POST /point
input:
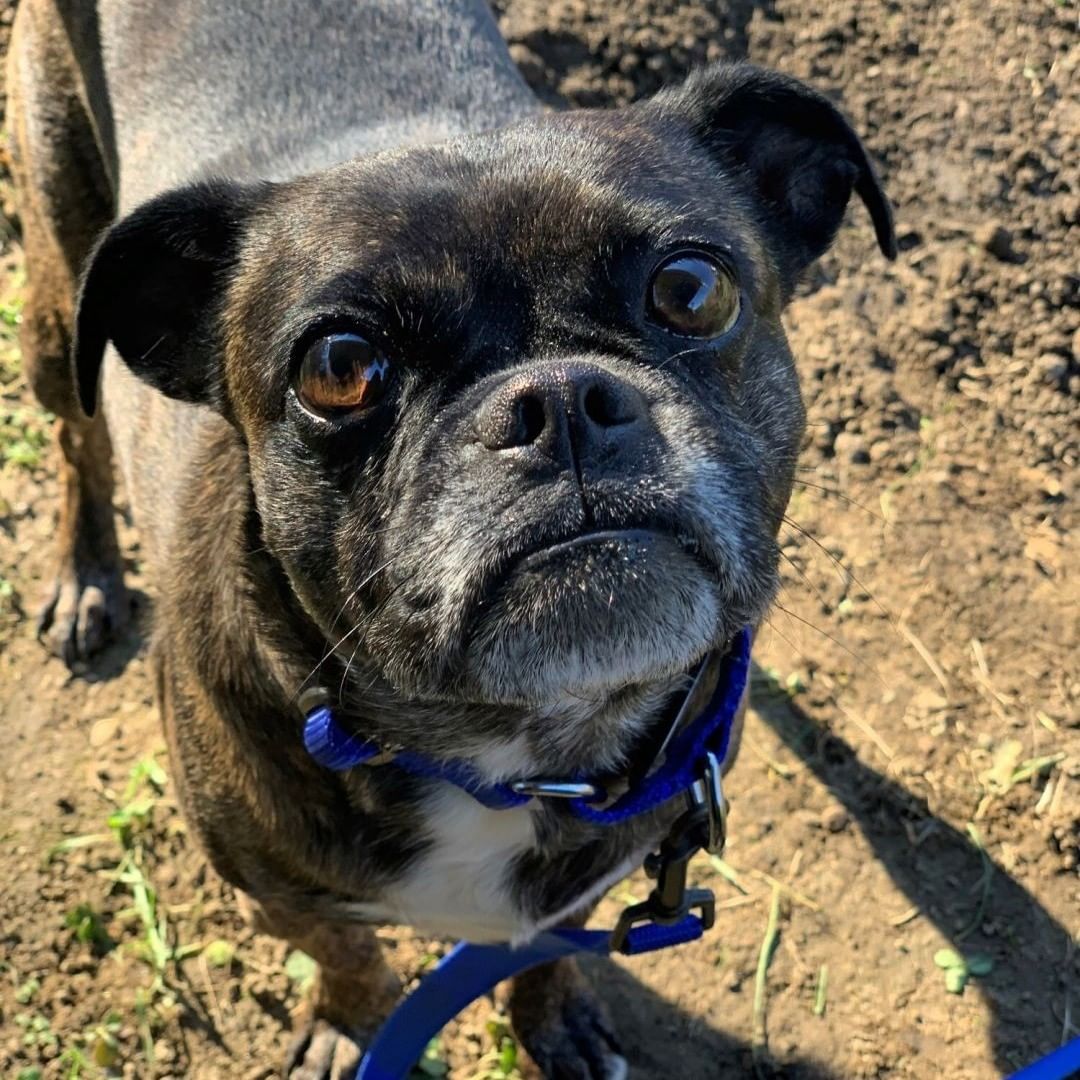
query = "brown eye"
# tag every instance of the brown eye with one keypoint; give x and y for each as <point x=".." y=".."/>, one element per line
<point x="694" y="295"/>
<point x="342" y="373"/>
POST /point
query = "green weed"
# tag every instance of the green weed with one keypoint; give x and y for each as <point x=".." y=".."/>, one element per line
<point x="301" y="969"/>
<point x="36" y="1031"/>
<point x="129" y="826"/>
<point x="958" y="969"/>
<point x="432" y="1063"/>
<point x="219" y="953"/>
<point x="88" y="929"/>
<point x="24" y="434"/>
<point x="501" y="1062"/>
<point x="11" y="311"/>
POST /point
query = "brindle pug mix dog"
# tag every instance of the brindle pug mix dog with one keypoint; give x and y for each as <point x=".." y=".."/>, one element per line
<point x="483" y="414"/>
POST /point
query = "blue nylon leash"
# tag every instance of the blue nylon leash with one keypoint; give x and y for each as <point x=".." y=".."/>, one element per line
<point x="1062" y="1064"/>
<point x="470" y="971"/>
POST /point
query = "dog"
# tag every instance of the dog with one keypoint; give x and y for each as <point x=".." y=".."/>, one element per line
<point x="480" y="416"/>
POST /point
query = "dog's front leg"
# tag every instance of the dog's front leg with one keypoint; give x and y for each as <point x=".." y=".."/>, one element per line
<point x="353" y="992"/>
<point x="564" y="1026"/>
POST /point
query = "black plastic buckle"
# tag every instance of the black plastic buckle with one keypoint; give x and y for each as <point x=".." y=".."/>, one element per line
<point x="670" y="900"/>
<point x="703" y="825"/>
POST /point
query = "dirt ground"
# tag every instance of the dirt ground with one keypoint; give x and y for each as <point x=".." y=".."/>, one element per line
<point x="910" y="781"/>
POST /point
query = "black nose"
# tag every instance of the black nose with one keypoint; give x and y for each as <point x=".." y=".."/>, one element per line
<point x="551" y="403"/>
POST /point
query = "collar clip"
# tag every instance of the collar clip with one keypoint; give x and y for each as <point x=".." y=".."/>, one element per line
<point x="702" y="826"/>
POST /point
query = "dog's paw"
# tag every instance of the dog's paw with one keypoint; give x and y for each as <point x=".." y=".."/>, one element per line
<point x="86" y="609"/>
<point x="571" y="1037"/>
<point x="322" y="1050"/>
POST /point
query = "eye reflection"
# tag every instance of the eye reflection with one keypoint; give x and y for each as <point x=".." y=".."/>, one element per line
<point x="342" y="372"/>
<point x="694" y="295"/>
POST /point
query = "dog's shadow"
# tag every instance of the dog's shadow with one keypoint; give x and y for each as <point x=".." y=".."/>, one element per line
<point x="663" y="1043"/>
<point x="1030" y="948"/>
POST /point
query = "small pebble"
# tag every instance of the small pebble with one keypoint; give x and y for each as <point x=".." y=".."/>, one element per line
<point x="834" y="819"/>
<point x="104" y="731"/>
<point x="848" y="446"/>
<point x="1052" y="367"/>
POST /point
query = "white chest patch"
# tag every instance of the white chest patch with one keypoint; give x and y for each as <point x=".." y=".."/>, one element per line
<point x="460" y="886"/>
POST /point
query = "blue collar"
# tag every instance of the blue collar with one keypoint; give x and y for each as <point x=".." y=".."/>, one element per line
<point x="691" y="748"/>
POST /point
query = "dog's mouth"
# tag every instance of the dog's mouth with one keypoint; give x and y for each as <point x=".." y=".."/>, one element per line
<point x="554" y="556"/>
<point x="595" y="612"/>
<point x="613" y="538"/>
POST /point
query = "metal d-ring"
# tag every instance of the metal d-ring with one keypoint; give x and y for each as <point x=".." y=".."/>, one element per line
<point x="311" y="698"/>
<point x="708" y="793"/>
<point x="555" y="789"/>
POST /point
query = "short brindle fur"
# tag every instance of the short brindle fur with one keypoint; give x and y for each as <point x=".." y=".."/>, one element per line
<point x="556" y="508"/>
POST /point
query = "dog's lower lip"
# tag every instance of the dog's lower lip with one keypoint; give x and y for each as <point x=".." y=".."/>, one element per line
<point x="644" y="537"/>
<point x="627" y="536"/>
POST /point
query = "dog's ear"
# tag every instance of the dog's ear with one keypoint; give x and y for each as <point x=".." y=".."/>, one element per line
<point x="800" y="156"/>
<point x="153" y="286"/>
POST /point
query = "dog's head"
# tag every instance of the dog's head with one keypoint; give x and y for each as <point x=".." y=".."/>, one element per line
<point x="520" y="415"/>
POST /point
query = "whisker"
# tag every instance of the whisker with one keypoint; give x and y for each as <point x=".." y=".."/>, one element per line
<point x="153" y="348"/>
<point x="787" y="641"/>
<point x="785" y="591"/>
<point x="841" y="495"/>
<point x="352" y="596"/>
<point x="802" y="573"/>
<point x="894" y="623"/>
<point x="837" y="642"/>
<point x="843" y="572"/>
<point x="333" y="648"/>
<point x="684" y="352"/>
<point x="370" y="619"/>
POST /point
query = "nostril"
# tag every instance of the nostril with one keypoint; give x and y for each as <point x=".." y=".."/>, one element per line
<point x="551" y="404"/>
<point x="512" y="417"/>
<point x="605" y="408"/>
<point x="530" y="420"/>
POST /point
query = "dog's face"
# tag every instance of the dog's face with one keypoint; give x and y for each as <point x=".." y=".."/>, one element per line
<point x="520" y="415"/>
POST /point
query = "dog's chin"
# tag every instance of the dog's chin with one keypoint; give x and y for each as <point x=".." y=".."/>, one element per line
<point x="592" y="616"/>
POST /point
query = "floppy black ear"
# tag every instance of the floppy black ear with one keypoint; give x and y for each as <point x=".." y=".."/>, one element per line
<point x="153" y="286"/>
<point x="797" y="151"/>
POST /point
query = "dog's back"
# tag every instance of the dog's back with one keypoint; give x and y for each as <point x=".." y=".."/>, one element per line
<point x="275" y="89"/>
